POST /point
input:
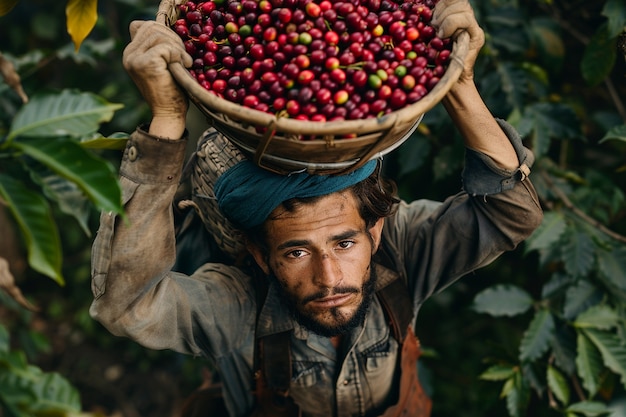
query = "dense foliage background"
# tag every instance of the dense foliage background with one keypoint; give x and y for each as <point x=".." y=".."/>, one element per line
<point x="541" y="332"/>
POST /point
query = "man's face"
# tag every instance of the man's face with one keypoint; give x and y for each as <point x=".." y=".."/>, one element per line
<point x="320" y="255"/>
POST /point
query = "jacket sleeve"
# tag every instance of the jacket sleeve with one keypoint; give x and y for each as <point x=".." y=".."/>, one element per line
<point x="435" y="244"/>
<point x="135" y="292"/>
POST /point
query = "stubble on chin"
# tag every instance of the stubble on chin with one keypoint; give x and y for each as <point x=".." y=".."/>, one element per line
<point x="334" y="321"/>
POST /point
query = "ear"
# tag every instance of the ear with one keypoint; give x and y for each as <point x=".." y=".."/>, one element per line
<point x="259" y="256"/>
<point x="376" y="232"/>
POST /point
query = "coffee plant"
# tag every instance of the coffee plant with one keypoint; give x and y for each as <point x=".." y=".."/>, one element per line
<point x="569" y="313"/>
<point x="541" y="332"/>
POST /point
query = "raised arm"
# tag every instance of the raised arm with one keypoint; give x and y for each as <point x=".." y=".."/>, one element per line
<point x="136" y="293"/>
<point x="464" y="104"/>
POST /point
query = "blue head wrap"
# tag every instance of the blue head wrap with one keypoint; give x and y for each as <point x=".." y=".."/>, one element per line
<point x="247" y="194"/>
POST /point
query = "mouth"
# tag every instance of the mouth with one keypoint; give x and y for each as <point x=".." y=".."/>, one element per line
<point x="331" y="301"/>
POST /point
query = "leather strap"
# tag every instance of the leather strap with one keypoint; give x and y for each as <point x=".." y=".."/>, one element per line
<point x="413" y="400"/>
<point x="276" y="351"/>
<point x="397" y="304"/>
<point x="273" y="378"/>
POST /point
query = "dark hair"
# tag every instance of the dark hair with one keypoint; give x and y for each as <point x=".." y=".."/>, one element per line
<point x="376" y="197"/>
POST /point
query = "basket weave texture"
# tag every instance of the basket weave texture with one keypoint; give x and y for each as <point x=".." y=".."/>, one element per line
<point x="214" y="155"/>
<point x="280" y="148"/>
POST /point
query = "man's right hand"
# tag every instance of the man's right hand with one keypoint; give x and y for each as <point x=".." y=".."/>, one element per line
<point x="153" y="46"/>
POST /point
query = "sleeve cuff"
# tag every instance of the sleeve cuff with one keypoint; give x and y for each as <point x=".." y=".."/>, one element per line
<point x="482" y="176"/>
<point x="149" y="159"/>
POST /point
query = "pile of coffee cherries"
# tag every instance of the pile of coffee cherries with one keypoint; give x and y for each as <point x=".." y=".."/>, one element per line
<point x="318" y="60"/>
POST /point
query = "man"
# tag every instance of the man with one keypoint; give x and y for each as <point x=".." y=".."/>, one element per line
<point x="323" y="260"/>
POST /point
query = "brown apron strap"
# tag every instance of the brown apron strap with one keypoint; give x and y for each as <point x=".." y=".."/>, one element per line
<point x="396" y="302"/>
<point x="273" y="378"/>
<point x="412" y="401"/>
<point x="276" y="364"/>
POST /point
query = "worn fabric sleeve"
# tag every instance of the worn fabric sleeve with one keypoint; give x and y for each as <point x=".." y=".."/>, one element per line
<point x="135" y="292"/>
<point x="435" y="243"/>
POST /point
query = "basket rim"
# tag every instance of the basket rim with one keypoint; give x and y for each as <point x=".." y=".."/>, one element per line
<point x="460" y="49"/>
<point x="302" y="165"/>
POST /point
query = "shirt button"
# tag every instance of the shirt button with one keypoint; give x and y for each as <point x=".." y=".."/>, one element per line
<point x="346" y="381"/>
<point x="132" y="153"/>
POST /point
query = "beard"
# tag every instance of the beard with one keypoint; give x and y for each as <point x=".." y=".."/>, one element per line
<point x="342" y="323"/>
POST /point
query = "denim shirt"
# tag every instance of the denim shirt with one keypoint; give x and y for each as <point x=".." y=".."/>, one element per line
<point x="213" y="312"/>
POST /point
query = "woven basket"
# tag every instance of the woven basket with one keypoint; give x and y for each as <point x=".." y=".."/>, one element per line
<point x="214" y="155"/>
<point x="279" y="149"/>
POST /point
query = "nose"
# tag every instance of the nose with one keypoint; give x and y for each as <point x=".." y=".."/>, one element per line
<point x="328" y="272"/>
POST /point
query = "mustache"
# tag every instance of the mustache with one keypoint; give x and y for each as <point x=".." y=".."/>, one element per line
<point x="330" y="292"/>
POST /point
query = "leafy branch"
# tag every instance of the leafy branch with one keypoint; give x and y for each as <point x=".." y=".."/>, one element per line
<point x="607" y="43"/>
<point x="578" y="212"/>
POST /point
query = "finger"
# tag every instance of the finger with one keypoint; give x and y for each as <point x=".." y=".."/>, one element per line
<point x="156" y="34"/>
<point x="457" y="23"/>
<point x="134" y="27"/>
<point x="455" y="16"/>
<point x="157" y="40"/>
<point x="453" y="12"/>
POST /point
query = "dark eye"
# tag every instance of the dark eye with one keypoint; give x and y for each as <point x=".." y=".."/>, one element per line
<point x="346" y="244"/>
<point x="296" y="253"/>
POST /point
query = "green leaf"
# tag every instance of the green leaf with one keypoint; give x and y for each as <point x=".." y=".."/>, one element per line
<point x="498" y="373"/>
<point x="34" y="393"/>
<point x="68" y="196"/>
<point x="532" y="377"/>
<point x="578" y="253"/>
<point x="558" y="385"/>
<point x="94" y="176"/>
<point x="67" y="113"/>
<point x="615" y="11"/>
<point x="616" y="133"/>
<point x="563" y="345"/>
<point x="54" y="394"/>
<point x="599" y="56"/>
<point x="613" y="351"/>
<point x="513" y="79"/>
<point x="579" y="298"/>
<point x="15" y="361"/>
<point x="536" y="339"/>
<point x="32" y="214"/>
<point x="612" y="265"/>
<point x="588" y="408"/>
<point x="589" y="364"/>
<point x="517" y="396"/>
<point x="601" y="317"/>
<point x="506" y="29"/>
<point x="600" y="198"/>
<point x="548" y="233"/>
<point x="549" y="120"/>
<point x="16" y="378"/>
<point x="557" y="284"/>
<point x="114" y="142"/>
<point x="507" y="387"/>
<point x="503" y="300"/>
